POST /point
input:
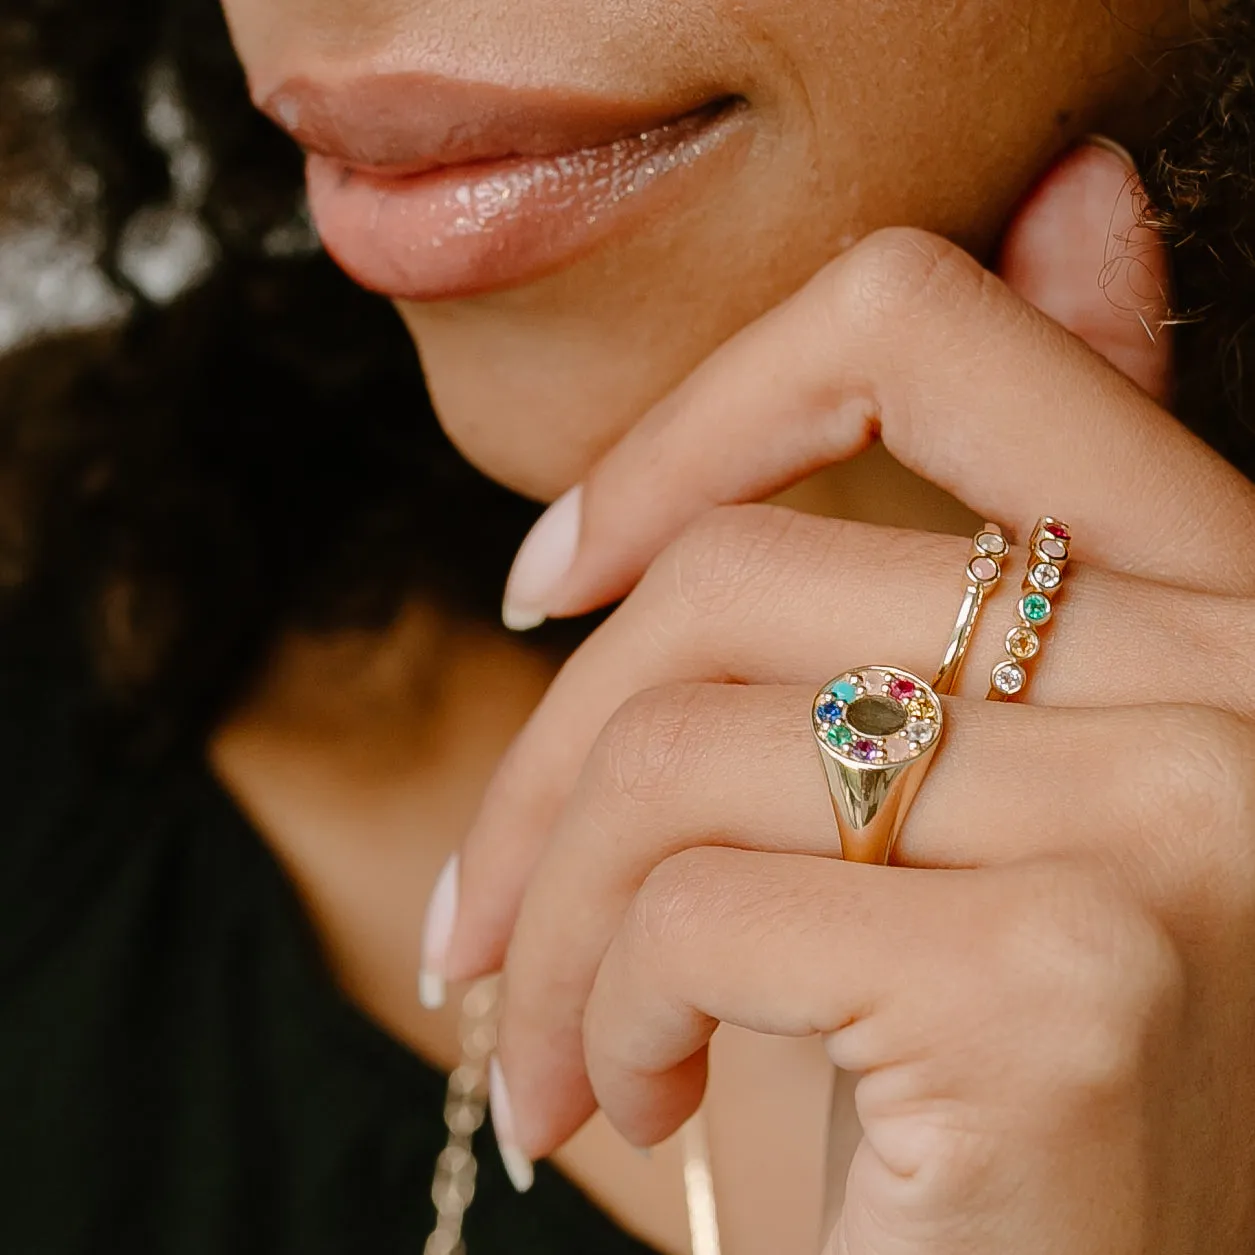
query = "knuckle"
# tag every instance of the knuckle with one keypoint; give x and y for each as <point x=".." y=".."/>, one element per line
<point x="725" y="563"/>
<point x="901" y="273"/>
<point x="1205" y="794"/>
<point x="672" y="905"/>
<point x="1099" y="973"/>
<point x="640" y="756"/>
<point x="1222" y="630"/>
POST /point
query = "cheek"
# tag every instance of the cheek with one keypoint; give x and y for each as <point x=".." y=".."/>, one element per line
<point x="921" y="113"/>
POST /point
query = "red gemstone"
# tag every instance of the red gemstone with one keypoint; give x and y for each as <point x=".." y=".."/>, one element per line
<point x="1058" y="531"/>
<point x="865" y="749"/>
<point x="901" y="690"/>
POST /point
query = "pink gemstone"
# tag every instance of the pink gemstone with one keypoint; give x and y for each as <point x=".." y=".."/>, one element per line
<point x="901" y="690"/>
<point x="1055" y="549"/>
<point x="1058" y="531"/>
<point x="875" y="682"/>
<point x="899" y="750"/>
<point x="984" y="569"/>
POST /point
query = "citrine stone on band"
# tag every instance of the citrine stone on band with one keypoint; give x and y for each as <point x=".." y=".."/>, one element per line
<point x="877" y="729"/>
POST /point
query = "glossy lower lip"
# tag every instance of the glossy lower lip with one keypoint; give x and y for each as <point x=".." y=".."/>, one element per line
<point x="458" y="230"/>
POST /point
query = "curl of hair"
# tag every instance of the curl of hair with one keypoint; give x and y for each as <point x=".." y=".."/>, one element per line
<point x="255" y="456"/>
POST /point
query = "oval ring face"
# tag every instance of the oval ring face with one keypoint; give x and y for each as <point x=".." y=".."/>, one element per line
<point x="877" y="717"/>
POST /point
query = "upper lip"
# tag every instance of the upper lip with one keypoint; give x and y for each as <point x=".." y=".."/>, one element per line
<point x="409" y="123"/>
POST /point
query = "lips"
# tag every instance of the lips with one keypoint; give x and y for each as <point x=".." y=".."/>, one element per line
<point x="425" y="188"/>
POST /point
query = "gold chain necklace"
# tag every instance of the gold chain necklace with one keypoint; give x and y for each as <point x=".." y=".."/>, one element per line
<point x="466" y="1105"/>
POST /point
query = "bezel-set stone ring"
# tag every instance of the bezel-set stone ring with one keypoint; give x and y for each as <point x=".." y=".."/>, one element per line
<point x="877" y="729"/>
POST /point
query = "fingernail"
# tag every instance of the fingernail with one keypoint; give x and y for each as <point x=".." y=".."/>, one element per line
<point x="543" y="560"/>
<point x="517" y="1165"/>
<point x="442" y="913"/>
<point x="1115" y="148"/>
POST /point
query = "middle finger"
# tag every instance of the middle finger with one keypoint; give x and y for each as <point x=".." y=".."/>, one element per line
<point x="761" y="595"/>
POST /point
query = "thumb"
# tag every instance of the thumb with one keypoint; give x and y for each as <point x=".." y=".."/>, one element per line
<point x="1077" y="250"/>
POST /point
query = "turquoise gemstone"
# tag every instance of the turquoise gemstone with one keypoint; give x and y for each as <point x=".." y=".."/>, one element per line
<point x="844" y="692"/>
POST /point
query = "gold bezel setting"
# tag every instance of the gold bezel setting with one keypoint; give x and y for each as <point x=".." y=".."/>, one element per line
<point x="900" y="698"/>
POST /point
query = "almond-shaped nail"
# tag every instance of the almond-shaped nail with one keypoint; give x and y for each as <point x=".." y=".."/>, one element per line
<point x="517" y="1165"/>
<point x="543" y="560"/>
<point x="442" y="914"/>
<point x="1114" y="147"/>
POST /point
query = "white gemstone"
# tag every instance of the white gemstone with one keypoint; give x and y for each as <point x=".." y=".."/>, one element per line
<point x="992" y="544"/>
<point x="1046" y="575"/>
<point x="921" y="731"/>
<point x="1009" y="678"/>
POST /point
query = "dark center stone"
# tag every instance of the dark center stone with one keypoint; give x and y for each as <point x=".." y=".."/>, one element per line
<point x="876" y="716"/>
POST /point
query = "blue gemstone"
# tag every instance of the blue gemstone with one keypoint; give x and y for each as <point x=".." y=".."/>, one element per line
<point x="844" y="692"/>
<point x="830" y="711"/>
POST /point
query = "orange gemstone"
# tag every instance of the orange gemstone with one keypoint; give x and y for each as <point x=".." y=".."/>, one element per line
<point x="1023" y="643"/>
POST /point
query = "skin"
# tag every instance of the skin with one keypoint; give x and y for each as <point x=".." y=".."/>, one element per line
<point x="864" y="114"/>
<point x="627" y="414"/>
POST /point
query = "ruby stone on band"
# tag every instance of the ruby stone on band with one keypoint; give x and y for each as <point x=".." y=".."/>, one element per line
<point x="876" y="729"/>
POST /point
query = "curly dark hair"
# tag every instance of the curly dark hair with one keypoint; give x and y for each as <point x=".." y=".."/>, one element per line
<point x="253" y="456"/>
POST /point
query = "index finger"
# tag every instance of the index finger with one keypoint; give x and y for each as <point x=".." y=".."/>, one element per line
<point x="906" y="336"/>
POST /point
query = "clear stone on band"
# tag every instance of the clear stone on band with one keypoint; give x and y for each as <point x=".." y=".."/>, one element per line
<point x="1009" y="678"/>
<point x="1046" y="575"/>
<point x="922" y="731"/>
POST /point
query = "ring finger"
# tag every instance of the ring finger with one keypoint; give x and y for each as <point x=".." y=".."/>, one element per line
<point x="676" y="770"/>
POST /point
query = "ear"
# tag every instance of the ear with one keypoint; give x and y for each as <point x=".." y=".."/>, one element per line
<point x="1078" y="251"/>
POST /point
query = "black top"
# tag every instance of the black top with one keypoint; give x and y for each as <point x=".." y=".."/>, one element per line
<point x="177" y="1071"/>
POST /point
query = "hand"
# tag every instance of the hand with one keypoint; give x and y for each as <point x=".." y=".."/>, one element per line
<point x="1051" y="1007"/>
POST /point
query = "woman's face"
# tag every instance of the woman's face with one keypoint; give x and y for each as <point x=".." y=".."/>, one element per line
<point x="573" y="202"/>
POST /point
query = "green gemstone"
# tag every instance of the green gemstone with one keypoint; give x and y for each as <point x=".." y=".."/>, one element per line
<point x="1036" y="608"/>
<point x="840" y="735"/>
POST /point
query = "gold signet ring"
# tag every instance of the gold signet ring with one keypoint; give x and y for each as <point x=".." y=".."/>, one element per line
<point x="877" y="729"/>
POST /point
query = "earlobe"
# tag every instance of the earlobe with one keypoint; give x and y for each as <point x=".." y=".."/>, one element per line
<point x="1077" y="249"/>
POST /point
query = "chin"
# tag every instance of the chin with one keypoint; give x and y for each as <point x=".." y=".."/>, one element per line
<point x="535" y="385"/>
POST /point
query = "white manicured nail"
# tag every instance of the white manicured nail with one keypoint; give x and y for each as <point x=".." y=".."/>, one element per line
<point x="542" y="562"/>
<point x="517" y="1165"/>
<point x="442" y="914"/>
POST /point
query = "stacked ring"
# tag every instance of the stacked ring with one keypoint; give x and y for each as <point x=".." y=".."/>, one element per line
<point x="984" y="570"/>
<point x="1048" y="558"/>
<point x="878" y="727"/>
